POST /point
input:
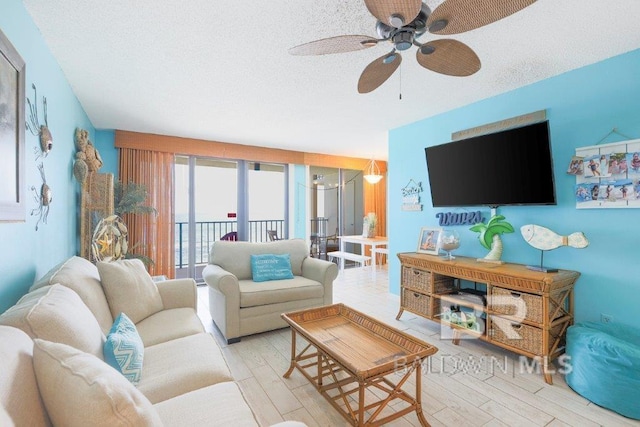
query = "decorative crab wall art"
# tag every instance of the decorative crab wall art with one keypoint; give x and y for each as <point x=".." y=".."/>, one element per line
<point x="37" y="129"/>
<point x="43" y="198"/>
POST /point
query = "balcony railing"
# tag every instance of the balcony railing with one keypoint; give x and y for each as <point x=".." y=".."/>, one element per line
<point x="209" y="231"/>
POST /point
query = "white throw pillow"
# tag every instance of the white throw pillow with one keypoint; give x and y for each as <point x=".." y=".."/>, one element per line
<point x="79" y="389"/>
<point x="81" y="276"/>
<point x="56" y="313"/>
<point x="129" y="289"/>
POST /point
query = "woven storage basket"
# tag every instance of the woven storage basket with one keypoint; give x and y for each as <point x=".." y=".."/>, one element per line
<point x="505" y="301"/>
<point x="425" y="281"/>
<point x="530" y="337"/>
<point x="416" y="302"/>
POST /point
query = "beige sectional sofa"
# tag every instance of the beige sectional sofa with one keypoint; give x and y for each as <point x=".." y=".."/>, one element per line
<point x="239" y="306"/>
<point x="54" y="371"/>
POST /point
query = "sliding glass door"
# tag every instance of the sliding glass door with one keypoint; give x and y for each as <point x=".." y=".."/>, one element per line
<point x="267" y="202"/>
<point x="218" y="199"/>
<point x="336" y="207"/>
<point x="205" y="210"/>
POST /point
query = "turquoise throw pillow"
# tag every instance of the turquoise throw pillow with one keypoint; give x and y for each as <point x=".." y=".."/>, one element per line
<point x="124" y="349"/>
<point x="270" y="267"/>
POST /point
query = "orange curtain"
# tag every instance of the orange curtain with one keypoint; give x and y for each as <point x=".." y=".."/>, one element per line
<point x="154" y="234"/>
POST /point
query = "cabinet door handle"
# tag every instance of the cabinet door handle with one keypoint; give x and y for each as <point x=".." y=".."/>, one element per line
<point x="516" y="294"/>
<point x="516" y="326"/>
<point x="417" y="295"/>
<point x="416" y="272"/>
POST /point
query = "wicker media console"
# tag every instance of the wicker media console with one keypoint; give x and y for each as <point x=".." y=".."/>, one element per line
<point x="527" y="312"/>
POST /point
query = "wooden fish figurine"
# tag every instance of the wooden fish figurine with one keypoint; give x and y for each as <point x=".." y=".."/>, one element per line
<point x="544" y="239"/>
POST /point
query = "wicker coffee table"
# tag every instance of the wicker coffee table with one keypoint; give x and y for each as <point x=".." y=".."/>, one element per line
<point x="347" y="352"/>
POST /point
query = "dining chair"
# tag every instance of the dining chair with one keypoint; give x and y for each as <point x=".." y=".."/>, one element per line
<point x="273" y="235"/>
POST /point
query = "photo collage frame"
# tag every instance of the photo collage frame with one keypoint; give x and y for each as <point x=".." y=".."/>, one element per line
<point x="607" y="176"/>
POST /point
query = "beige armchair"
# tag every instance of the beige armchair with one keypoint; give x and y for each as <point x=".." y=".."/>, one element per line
<point x="239" y="306"/>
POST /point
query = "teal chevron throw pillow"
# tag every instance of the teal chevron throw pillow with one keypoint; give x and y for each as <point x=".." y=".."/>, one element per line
<point x="270" y="267"/>
<point x="124" y="349"/>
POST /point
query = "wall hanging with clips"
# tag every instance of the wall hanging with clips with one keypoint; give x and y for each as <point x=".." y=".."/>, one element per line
<point x="607" y="175"/>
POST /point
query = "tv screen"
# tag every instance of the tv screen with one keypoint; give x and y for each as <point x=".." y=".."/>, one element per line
<point x="511" y="167"/>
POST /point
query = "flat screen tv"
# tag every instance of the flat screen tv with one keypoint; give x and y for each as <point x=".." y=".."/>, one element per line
<point x="511" y="167"/>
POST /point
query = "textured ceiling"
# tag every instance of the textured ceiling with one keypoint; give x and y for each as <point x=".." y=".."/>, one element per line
<point x="220" y="70"/>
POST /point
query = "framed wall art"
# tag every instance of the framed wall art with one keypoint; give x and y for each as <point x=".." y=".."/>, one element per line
<point x="12" y="126"/>
<point x="429" y="240"/>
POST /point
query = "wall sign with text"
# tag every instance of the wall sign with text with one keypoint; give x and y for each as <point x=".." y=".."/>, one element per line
<point x="463" y="218"/>
<point x="411" y="196"/>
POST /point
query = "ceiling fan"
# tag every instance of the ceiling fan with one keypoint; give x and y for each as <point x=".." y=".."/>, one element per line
<point x="403" y="22"/>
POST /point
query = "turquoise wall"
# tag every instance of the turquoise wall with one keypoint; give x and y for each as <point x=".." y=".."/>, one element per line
<point x="104" y="142"/>
<point x="26" y="253"/>
<point x="582" y="107"/>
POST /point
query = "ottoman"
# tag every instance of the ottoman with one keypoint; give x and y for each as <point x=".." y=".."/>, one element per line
<point x="605" y="361"/>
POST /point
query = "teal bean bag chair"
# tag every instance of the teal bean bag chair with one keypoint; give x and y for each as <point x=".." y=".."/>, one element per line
<point x="605" y="365"/>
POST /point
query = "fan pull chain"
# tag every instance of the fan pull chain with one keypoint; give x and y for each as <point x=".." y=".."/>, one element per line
<point x="400" y="96"/>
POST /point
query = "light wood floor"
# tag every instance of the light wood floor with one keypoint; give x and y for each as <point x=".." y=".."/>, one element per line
<point x="473" y="384"/>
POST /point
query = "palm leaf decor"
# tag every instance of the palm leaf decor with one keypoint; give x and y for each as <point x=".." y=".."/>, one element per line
<point x="131" y="198"/>
<point x="489" y="236"/>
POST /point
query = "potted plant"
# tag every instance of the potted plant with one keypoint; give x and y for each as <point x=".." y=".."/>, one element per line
<point x="369" y="225"/>
<point x="130" y="198"/>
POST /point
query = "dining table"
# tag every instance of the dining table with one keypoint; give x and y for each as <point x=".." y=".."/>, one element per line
<point x="374" y="242"/>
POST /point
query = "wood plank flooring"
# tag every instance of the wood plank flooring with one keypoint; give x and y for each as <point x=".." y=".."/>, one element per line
<point x="472" y="384"/>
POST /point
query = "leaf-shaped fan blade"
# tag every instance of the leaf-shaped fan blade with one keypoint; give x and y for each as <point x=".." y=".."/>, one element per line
<point x="449" y="57"/>
<point x="338" y="44"/>
<point x="467" y="15"/>
<point x="378" y="72"/>
<point x="391" y="11"/>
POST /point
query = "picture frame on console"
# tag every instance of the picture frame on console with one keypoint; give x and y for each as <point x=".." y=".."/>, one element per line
<point x="12" y="125"/>
<point x="429" y="240"/>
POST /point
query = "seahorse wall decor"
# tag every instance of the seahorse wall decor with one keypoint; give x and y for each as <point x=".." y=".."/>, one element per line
<point x="88" y="158"/>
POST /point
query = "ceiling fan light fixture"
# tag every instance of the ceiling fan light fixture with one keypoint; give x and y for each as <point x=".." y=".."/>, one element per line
<point x="402" y="22"/>
<point x="373" y="179"/>
<point x="372" y="173"/>
<point x="402" y="40"/>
